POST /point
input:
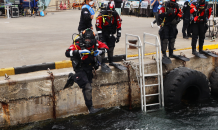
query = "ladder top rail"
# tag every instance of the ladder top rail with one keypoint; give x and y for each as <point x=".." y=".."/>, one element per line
<point x="156" y="36"/>
<point x="150" y="34"/>
<point x="139" y="40"/>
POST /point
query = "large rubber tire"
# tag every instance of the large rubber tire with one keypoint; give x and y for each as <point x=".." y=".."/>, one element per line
<point x="184" y="84"/>
<point x="214" y="82"/>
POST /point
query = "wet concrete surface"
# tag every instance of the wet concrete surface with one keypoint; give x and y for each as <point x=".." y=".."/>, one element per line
<point x="29" y="40"/>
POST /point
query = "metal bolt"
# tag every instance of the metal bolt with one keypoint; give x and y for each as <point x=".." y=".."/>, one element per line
<point x="7" y="77"/>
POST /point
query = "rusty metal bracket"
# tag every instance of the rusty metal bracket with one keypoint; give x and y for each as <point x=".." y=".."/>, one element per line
<point x="127" y="65"/>
<point x="7" y="77"/>
<point x="49" y="71"/>
<point x="182" y="54"/>
<point x="53" y="93"/>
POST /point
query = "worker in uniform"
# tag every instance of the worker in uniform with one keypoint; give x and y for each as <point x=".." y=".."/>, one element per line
<point x="186" y="20"/>
<point x="108" y="23"/>
<point x="84" y="55"/>
<point x="118" y="6"/>
<point x="87" y="14"/>
<point x="201" y="13"/>
<point x="169" y="17"/>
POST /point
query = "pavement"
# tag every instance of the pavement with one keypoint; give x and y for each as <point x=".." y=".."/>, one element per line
<point x="29" y="40"/>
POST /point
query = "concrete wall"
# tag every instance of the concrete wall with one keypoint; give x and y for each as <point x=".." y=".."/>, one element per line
<point x="34" y="97"/>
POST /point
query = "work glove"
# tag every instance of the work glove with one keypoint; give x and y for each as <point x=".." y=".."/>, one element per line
<point x="117" y="39"/>
<point x="98" y="52"/>
<point x="84" y="51"/>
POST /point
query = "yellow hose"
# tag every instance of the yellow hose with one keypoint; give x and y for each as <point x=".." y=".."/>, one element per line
<point x="74" y="41"/>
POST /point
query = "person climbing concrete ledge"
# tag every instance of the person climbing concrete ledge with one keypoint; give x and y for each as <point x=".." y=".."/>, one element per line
<point x="86" y="57"/>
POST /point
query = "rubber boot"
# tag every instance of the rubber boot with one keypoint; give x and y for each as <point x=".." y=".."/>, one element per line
<point x="170" y="53"/>
<point x="171" y="47"/>
<point x="103" y="62"/>
<point x="201" y="49"/>
<point x="185" y="37"/>
<point x="194" y="52"/>
<point x="164" y="53"/>
<point x="111" y="63"/>
<point x="93" y="110"/>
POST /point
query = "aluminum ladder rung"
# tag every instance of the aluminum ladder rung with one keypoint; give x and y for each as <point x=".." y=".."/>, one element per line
<point x="133" y="45"/>
<point x="150" y="43"/>
<point x="148" y="85"/>
<point x="150" y="75"/>
<point x="152" y="94"/>
<point x="153" y="104"/>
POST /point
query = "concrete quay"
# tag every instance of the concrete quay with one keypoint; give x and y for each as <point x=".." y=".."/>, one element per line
<point x="40" y="96"/>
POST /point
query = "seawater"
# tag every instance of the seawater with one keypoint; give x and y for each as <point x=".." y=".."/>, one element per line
<point x="195" y="116"/>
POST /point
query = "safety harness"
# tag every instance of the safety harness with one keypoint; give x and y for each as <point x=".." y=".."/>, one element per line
<point x="165" y="7"/>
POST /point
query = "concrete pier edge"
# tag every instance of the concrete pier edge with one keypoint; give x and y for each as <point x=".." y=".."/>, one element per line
<point x="45" y="66"/>
<point x="68" y="63"/>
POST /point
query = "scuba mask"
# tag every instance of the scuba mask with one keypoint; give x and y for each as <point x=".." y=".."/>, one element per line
<point x="89" y="42"/>
<point x="88" y="37"/>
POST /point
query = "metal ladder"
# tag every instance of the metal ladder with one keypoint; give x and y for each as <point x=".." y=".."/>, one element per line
<point x="159" y="74"/>
<point x="142" y="75"/>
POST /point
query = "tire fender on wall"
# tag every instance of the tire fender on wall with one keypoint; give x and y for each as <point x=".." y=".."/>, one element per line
<point x="185" y="84"/>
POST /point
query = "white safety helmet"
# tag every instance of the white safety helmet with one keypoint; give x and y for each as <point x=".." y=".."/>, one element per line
<point x="91" y="3"/>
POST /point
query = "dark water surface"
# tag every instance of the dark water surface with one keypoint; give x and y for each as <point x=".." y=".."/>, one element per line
<point x="199" y="116"/>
